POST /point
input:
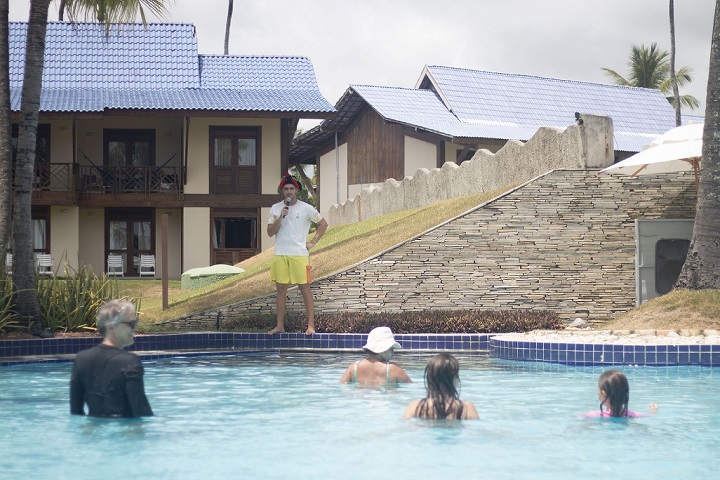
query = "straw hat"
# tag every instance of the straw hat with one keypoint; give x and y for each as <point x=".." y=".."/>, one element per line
<point x="380" y="340"/>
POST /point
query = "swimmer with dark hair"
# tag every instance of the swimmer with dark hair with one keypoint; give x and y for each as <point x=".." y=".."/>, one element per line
<point x="442" y="402"/>
<point x="614" y="396"/>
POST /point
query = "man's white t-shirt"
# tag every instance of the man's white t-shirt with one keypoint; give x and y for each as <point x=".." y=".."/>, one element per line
<point x="291" y="238"/>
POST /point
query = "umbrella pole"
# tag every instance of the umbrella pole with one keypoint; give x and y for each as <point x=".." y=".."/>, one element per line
<point x="638" y="170"/>
<point x="695" y="165"/>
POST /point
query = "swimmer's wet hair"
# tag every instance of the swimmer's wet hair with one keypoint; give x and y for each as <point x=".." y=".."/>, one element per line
<point x="617" y="392"/>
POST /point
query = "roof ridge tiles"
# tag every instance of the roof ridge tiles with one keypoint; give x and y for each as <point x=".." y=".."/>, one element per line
<point x="542" y="77"/>
<point x="354" y="85"/>
<point x="74" y="24"/>
<point x="220" y="55"/>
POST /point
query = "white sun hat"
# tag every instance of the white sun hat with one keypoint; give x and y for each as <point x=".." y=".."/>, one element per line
<point x="380" y="340"/>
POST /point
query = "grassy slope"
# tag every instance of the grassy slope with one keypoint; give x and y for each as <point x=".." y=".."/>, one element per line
<point x="340" y="247"/>
<point x="678" y="310"/>
<point x="347" y="245"/>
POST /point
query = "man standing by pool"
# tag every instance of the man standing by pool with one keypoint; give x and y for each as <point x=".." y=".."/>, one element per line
<point x="107" y="377"/>
<point x="290" y="220"/>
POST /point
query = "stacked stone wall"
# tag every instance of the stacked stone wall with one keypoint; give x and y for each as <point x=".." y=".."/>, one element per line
<point x="564" y="242"/>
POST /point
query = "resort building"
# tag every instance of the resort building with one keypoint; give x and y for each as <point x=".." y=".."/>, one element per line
<point x="383" y="133"/>
<point x="136" y="124"/>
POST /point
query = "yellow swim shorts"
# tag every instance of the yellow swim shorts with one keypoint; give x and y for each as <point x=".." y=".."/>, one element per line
<point x="290" y="270"/>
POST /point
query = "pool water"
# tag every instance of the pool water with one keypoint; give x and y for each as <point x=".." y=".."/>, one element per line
<point x="284" y="416"/>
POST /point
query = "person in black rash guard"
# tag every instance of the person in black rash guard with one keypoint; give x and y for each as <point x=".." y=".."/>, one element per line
<point x="105" y="377"/>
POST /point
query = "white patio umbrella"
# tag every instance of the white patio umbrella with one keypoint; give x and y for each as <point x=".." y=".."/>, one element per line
<point x="676" y="150"/>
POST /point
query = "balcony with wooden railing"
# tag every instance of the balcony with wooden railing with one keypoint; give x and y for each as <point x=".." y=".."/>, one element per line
<point x="56" y="177"/>
<point x="52" y="180"/>
<point x="115" y="180"/>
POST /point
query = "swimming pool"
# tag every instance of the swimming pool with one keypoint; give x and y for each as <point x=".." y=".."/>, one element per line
<point x="284" y="416"/>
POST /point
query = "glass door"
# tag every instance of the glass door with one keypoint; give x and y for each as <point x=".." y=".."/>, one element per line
<point x="130" y="233"/>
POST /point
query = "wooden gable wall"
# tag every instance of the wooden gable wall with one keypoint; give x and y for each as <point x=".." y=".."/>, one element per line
<point x="376" y="150"/>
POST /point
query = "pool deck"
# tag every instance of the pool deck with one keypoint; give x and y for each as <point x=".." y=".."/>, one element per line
<point x="570" y="347"/>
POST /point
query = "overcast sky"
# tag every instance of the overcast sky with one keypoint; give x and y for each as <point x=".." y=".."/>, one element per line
<point x="388" y="42"/>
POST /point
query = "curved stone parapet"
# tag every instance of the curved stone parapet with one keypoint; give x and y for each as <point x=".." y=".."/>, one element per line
<point x="575" y="147"/>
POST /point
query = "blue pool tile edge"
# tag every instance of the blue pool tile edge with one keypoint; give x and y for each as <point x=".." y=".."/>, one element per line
<point x="594" y="354"/>
<point x="13" y="352"/>
<point x="54" y="349"/>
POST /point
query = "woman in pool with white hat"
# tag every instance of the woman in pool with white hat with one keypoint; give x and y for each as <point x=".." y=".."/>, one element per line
<point x="377" y="369"/>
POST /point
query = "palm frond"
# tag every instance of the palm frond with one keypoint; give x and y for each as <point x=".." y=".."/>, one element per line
<point x="684" y="76"/>
<point x="114" y="12"/>
<point x="685" y="100"/>
<point x="617" y="78"/>
<point x="650" y="68"/>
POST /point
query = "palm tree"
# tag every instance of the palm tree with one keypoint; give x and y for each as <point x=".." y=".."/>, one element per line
<point x="105" y="11"/>
<point x="5" y="148"/>
<point x="227" y="26"/>
<point x="702" y="266"/>
<point x="650" y="68"/>
<point x="23" y="262"/>
<point x="673" y="77"/>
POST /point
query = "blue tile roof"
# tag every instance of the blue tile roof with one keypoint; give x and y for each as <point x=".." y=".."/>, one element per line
<point x="460" y="103"/>
<point x="159" y="68"/>
<point x="424" y="109"/>
<point x="257" y="72"/>
<point x="522" y="103"/>
<point x="98" y="100"/>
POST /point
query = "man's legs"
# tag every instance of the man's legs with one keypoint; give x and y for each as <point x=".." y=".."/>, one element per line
<point x="309" y="307"/>
<point x="281" y="300"/>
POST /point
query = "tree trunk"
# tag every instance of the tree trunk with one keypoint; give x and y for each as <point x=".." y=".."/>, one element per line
<point x="23" y="259"/>
<point x="228" y="21"/>
<point x="702" y="266"/>
<point x="5" y="137"/>
<point x="673" y="78"/>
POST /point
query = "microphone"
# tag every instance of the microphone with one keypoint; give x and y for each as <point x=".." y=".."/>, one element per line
<point x="287" y="203"/>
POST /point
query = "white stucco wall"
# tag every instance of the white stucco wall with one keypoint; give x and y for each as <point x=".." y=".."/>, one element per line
<point x="175" y="223"/>
<point x="91" y="241"/>
<point x="196" y="246"/>
<point x="328" y="179"/>
<point x="266" y="241"/>
<point x="61" y="141"/>
<point x="418" y="154"/>
<point x="64" y="238"/>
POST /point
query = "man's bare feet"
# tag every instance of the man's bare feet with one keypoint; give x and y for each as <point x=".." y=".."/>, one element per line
<point x="276" y="330"/>
<point x="309" y="331"/>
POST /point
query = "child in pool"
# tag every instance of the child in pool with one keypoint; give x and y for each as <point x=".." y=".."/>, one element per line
<point x="442" y="400"/>
<point x="614" y="395"/>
